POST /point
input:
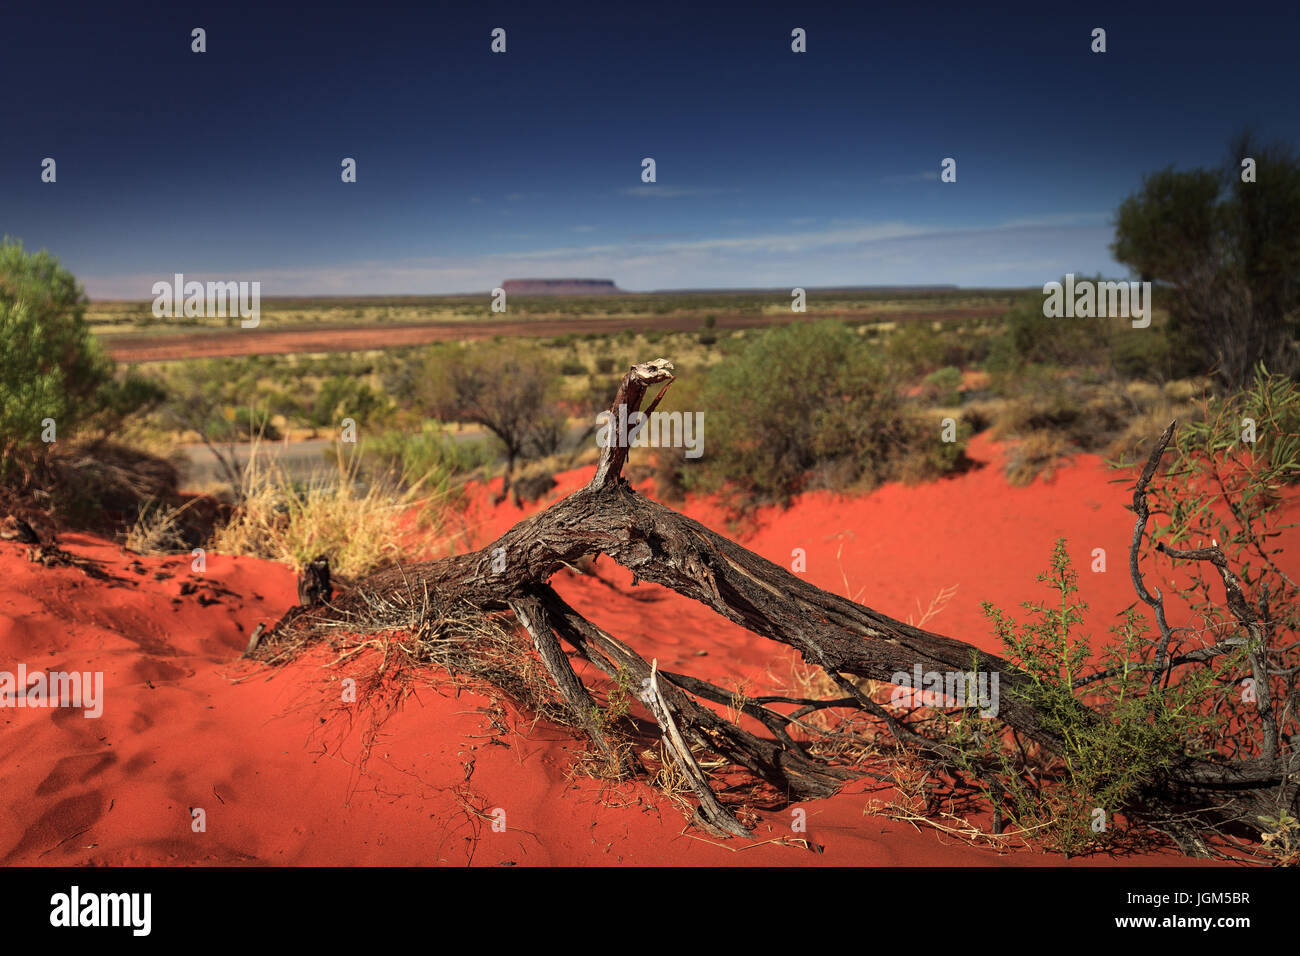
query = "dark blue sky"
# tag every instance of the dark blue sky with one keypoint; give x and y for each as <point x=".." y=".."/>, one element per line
<point x="774" y="169"/>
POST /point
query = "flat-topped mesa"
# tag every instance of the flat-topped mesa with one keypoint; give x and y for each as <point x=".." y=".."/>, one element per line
<point x="561" y="287"/>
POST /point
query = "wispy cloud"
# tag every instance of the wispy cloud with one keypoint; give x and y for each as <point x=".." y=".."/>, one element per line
<point x="1058" y="219"/>
<point x="657" y="191"/>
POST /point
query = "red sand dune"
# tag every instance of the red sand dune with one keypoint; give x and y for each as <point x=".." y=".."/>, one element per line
<point x="275" y="763"/>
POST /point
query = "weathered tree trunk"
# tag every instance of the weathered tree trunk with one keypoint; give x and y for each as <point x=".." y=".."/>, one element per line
<point x="847" y="640"/>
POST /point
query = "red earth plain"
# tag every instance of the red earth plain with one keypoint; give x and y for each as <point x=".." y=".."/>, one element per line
<point x="285" y="775"/>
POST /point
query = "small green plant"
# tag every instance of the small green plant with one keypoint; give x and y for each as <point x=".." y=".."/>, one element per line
<point x="1282" y="838"/>
<point x="606" y="719"/>
<point x="943" y="386"/>
<point x="1118" y="729"/>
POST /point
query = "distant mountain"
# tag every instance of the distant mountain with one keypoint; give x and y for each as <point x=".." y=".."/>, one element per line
<point x="812" y="288"/>
<point x="561" y="287"/>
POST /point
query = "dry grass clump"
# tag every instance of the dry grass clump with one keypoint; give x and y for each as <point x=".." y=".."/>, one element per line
<point x="1052" y="417"/>
<point x="158" y="529"/>
<point x="1039" y="454"/>
<point x="415" y="630"/>
<point x="359" y="525"/>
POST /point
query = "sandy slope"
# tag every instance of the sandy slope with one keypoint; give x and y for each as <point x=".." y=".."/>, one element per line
<point x="273" y="758"/>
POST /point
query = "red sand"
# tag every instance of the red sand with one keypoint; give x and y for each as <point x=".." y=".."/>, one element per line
<point x="266" y="755"/>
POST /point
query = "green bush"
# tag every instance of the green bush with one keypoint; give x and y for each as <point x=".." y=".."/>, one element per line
<point x="943" y="387"/>
<point x="342" y="397"/>
<point x="802" y="406"/>
<point x="50" y="366"/>
<point x="430" y="456"/>
<point x="1142" y="730"/>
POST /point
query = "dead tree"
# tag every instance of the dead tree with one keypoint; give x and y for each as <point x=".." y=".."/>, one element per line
<point x="851" y="643"/>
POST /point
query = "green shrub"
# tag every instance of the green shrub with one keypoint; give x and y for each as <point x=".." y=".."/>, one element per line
<point x="943" y="387"/>
<point x="50" y="366"/>
<point x="801" y="406"/>
<point x="342" y="397"/>
<point x="429" y="456"/>
<point x="1130" y="731"/>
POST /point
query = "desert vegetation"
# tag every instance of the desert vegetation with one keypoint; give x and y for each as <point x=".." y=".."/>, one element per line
<point x="1147" y="733"/>
<point x="1180" y="723"/>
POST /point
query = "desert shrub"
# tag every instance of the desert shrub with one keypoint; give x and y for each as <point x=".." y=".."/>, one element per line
<point x="1224" y="488"/>
<point x="1029" y="337"/>
<point x="103" y="485"/>
<point x="802" y="406"/>
<point x="1145" y="727"/>
<point x="1052" y="413"/>
<point x="400" y="372"/>
<point x="571" y="366"/>
<point x="1038" y="454"/>
<point x="917" y="347"/>
<point x="605" y="364"/>
<point x="943" y="387"/>
<point x="51" y="367"/>
<point x="342" y="397"/>
<point x="429" y="457"/>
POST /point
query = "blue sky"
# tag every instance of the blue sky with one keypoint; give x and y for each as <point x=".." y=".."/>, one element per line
<point x="774" y="168"/>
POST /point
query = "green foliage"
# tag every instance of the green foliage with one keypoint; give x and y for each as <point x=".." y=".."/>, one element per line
<point x="1031" y="337"/>
<point x="1223" y="488"/>
<point x="1226" y="253"/>
<point x="804" y="405"/>
<point x="943" y="387"/>
<point x="429" y="457"/>
<point x="50" y="366"/>
<point x="1119" y="733"/>
<point x="919" y="347"/>
<point x="342" y="397"/>
<point x="511" y="390"/>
